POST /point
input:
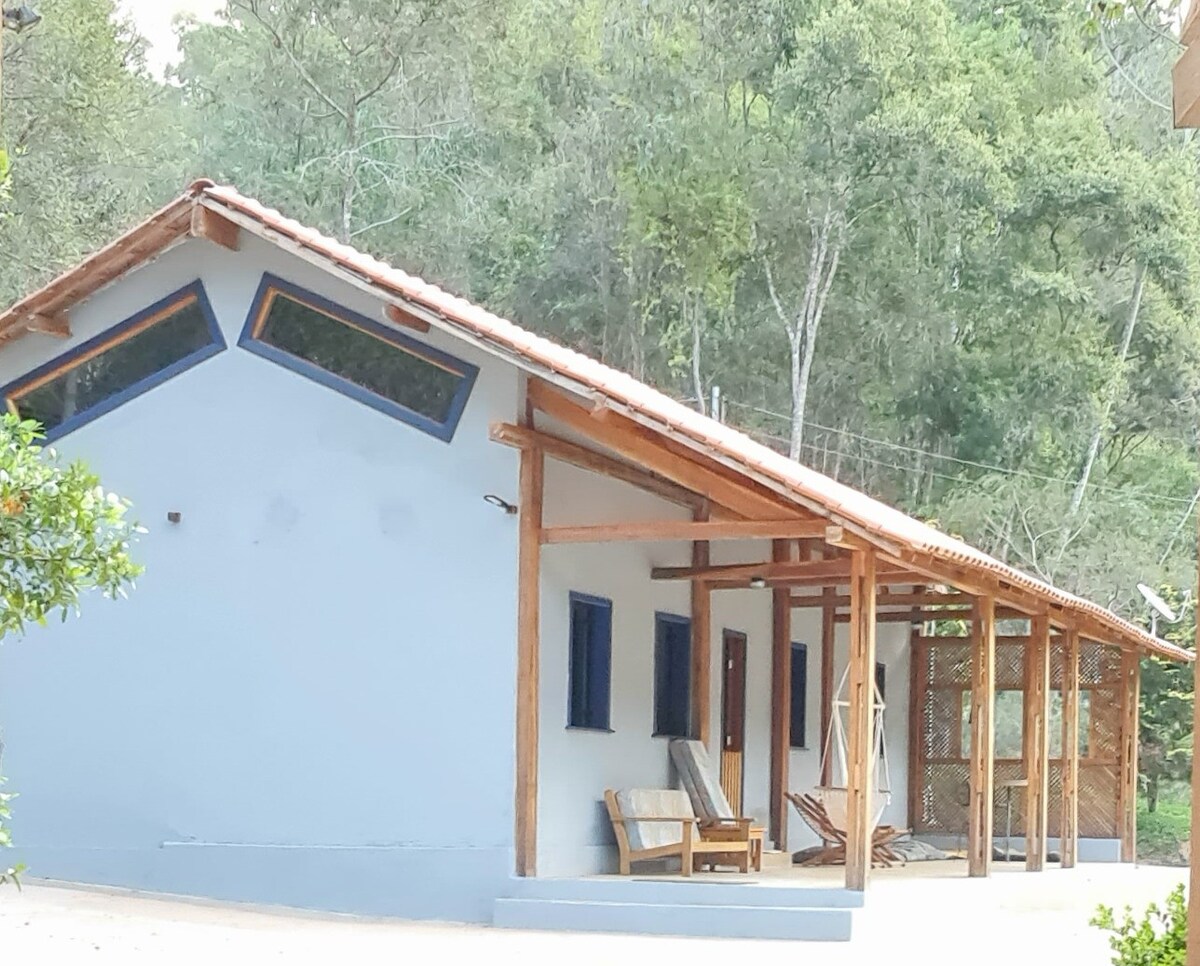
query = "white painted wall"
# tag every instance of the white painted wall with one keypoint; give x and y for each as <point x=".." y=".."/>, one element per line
<point x="577" y="766"/>
<point x="309" y="697"/>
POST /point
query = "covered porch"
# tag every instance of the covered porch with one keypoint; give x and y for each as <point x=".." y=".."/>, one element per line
<point x="980" y="642"/>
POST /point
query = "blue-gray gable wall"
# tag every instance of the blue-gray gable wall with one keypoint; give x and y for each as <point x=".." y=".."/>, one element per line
<point x="309" y="698"/>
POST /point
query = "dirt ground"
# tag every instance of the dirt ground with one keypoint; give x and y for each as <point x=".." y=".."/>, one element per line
<point x="928" y="918"/>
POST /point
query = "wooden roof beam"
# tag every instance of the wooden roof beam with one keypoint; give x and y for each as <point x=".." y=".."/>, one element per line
<point x="522" y="437"/>
<point x="653" y="451"/>
<point x="399" y="315"/>
<point x="54" y="324"/>
<point x="214" y="227"/>
<point x="668" y="530"/>
<point x="776" y="573"/>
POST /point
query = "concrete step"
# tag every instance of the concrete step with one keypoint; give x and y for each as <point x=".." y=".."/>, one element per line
<point x="732" y="889"/>
<point x="676" y="919"/>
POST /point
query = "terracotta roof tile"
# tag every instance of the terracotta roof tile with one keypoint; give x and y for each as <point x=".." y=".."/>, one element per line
<point x="792" y="478"/>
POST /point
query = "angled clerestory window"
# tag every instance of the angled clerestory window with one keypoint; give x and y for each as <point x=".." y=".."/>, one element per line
<point x="119" y="364"/>
<point x="358" y="357"/>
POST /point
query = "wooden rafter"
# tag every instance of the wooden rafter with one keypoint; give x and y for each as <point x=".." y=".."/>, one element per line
<point x="660" y="455"/>
<point x="885" y="599"/>
<point x="663" y="530"/>
<point x="522" y="437"/>
<point x="400" y="315"/>
<point x="215" y="227"/>
<point x="829" y="571"/>
<point x="57" y="325"/>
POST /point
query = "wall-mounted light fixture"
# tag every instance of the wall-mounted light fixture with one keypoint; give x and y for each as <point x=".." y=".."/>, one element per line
<point x="501" y="503"/>
<point x="758" y="583"/>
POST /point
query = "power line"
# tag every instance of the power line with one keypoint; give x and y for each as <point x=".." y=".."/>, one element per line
<point x="990" y="467"/>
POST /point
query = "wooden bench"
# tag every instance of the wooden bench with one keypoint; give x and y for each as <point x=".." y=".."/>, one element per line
<point x="659" y="823"/>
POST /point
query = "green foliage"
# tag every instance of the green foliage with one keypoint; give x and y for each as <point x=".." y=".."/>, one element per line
<point x="1158" y="938"/>
<point x="9" y="875"/>
<point x="983" y="235"/>
<point x="1162" y="834"/>
<point x="61" y="534"/>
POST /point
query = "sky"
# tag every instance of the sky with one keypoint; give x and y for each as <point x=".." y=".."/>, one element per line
<point x="153" y="19"/>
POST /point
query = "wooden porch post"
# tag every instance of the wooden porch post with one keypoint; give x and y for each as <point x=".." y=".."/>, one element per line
<point x="701" y="670"/>
<point x="1069" y="826"/>
<point x="1036" y="740"/>
<point x="983" y="737"/>
<point x="781" y="696"/>
<point x="918" y="696"/>
<point x="860" y="779"/>
<point x="828" y="643"/>
<point x="529" y="570"/>
<point x="1127" y="793"/>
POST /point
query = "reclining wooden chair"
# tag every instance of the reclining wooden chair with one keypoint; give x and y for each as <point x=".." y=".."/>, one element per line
<point x="717" y="821"/>
<point x="659" y="823"/>
<point x="833" y="839"/>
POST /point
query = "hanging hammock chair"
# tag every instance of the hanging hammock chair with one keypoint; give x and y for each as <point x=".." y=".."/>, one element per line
<point x="834" y="797"/>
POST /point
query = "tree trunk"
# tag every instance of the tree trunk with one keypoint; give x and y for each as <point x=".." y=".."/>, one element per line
<point x="350" y="184"/>
<point x="827" y="236"/>
<point x="1093" y="450"/>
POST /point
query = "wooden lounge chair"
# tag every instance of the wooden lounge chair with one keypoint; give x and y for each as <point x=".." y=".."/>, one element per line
<point x="833" y="839"/>
<point x="660" y="823"/>
<point x="717" y="821"/>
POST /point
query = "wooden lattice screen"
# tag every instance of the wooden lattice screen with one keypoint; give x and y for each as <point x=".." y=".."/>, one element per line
<point x="940" y="773"/>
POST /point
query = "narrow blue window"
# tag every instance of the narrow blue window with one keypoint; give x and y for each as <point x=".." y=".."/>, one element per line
<point x="359" y="357"/>
<point x="118" y="365"/>
<point x="672" y="675"/>
<point x="799" y="695"/>
<point x="590" y="663"/>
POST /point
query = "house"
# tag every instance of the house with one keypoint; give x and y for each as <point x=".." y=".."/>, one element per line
<point x="421" y="585"/>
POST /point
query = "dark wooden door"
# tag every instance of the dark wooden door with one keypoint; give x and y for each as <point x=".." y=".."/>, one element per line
<point x="733" y="717"/>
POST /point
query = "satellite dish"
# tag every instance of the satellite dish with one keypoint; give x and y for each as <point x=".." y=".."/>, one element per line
<point x="1160" y="606"/>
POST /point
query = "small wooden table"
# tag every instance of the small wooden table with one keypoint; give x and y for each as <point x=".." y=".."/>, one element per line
<point x="734" y="833"/>
<point x="1008" y="787"/>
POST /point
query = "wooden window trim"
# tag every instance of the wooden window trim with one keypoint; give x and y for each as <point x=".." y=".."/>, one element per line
<point x="273" y="286"/>
<point x="122" y="332"/>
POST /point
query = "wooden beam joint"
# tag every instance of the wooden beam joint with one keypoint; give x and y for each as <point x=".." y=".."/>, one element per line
<point x="215" y="227"/>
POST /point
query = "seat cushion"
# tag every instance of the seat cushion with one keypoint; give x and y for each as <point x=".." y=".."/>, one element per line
<point x="654" y="803"/>
<point x="700" y="779"/>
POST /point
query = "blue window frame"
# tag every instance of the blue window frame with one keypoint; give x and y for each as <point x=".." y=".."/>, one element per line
<point x="358" y="357"/>
<point x="797" y="722"/>
<point x="672" y="675"/>
<point x="590" y="669"/>
<point x="119" y="364"/>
